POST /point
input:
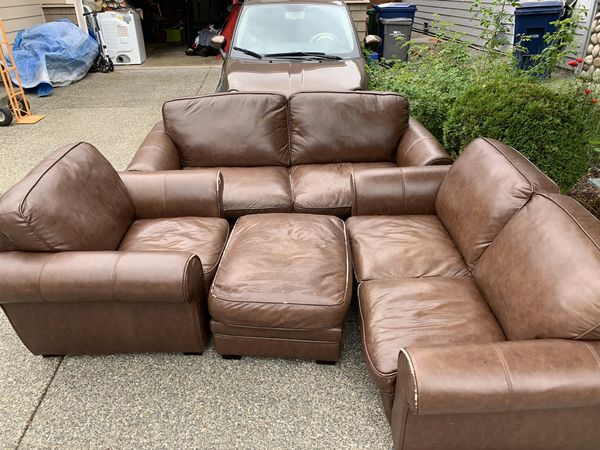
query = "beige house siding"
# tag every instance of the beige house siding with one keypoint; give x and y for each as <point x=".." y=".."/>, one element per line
<point x="20" y="14"/>
<point x="358" y="11"/>
<point x="52" y="13"/>
<point x="458" y="13"/>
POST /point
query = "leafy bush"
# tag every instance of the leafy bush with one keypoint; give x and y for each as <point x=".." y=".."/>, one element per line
<point x="432" y="80"/>
<point x="552" y="127"/>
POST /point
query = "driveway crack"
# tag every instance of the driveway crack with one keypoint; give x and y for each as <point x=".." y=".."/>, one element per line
<point x="42" y="397"/>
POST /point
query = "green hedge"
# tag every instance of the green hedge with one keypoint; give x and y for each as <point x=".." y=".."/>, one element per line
<point x="552" y="128"/>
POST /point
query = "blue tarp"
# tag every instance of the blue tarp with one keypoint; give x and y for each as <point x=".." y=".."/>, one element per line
<point x="53" y="54"/>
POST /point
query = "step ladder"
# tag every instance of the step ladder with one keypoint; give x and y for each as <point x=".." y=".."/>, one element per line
<point x="16" y="96"/>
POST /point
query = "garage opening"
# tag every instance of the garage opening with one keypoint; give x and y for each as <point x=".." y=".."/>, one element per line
<point x="171" y="29"/>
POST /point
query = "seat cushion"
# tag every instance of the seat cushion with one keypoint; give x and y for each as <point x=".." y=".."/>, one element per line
<point x="72" y="201"/>
<point x="541" y="275"/>
<point x="402" y="246"/>
<point x="253" y="190"/>
<point x="421" y="311"/>
<point x="233" y="129"/>
<point x="325" y="188"/>
<point x="337" y="127"/>
<point x="284" y="271"/>
<point x="483" y="189"/>
<point x="202" y="236"/>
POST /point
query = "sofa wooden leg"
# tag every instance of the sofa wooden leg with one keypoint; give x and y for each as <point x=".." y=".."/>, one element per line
<point x="234" y="357"/>
<point x="51" y="356"/>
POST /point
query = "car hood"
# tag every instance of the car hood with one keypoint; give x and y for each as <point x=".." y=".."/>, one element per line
<point x="288" y="77"/>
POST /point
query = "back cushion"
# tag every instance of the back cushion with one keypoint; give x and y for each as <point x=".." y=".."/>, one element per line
<point x="336" y="127"/>
<point x="232" y="129"/>
<point x="73" y="200"/>
<point x="541" y="275"/>
<point x="484" y="188"/>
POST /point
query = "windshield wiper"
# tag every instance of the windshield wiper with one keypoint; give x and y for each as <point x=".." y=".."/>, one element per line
<point x="312" y="55"/>
<point x="249" y="52"/>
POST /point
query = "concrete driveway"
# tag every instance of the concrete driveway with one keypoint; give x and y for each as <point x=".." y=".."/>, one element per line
<point x="164" y="400"/>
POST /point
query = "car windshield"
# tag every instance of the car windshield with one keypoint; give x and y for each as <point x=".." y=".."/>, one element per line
<point x="295" y="28"/>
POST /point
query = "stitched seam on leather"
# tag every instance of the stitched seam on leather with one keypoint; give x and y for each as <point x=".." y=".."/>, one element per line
<point x="43" y="297"/>
<point x="335" y="305"/>
<point x="224" y="251"/>
<point x="413" y="374"/>
<point x="113" y="277"/>
<point x="594" y="353"/>
<point x="143" y="147"/>
<point x="276" y="328"/>
<point x="164" y="194"/>
<point x="354" y="201"/>
<point x="435" y="160"/>
<point x="288" y="118"/>
<point x="587" y="331"/>
<point x="186" y="297"/>
<point x="292" y="186"/>
<point x="509" y="384"/>
<point x="319" y="208"/>
<point x="403" y="190"/>
<point x="219" y="200"/>
<point x="573" y="219"/>
<point x="218" y="260"/>
<point x="255" y="338"/>
<point x="531" y="185"/>
<point x="7" y="238"/>
<point x="364" y="341"/>
<point x="348" y="270"/>
<point x="258" y="209"/>
<point x="410" y="148"/>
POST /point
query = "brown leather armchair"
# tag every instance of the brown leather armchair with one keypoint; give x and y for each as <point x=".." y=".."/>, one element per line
<point x="295" y="154"/>
<point x="94" y="262"/>
<point x="479" y="304"/>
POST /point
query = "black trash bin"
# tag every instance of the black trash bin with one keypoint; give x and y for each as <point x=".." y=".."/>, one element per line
<point x="396" y="33"/>
<point x="532" y="21"/>
<point x="392" y="10"/>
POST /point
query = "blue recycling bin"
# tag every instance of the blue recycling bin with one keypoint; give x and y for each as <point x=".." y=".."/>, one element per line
<point x="393" y="10"/>
<point x="534" y="20"/>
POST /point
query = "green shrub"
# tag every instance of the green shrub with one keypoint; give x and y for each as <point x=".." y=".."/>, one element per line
<point x="431" y="80"/>
<point x="552" y="127"/>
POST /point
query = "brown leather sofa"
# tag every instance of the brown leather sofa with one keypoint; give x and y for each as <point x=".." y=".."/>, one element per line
<point x="479" y="304"/>
<point x="287" y="155"/>
<point x="91" y="262"/>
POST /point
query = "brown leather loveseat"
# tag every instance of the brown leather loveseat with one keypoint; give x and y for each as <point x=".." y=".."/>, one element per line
<point x="91" y="262"/>
<point x="287" y="155"/>
<point x="479" y="304"/>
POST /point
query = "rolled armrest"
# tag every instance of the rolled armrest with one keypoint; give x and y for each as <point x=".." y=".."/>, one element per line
<point x="418" y="147"/>
<point x="175" y="193"/>
<point x="157" y="152"/>
<point x="113" y="276"/>
<point x="396" y="190"/>
<point x="502" y="377"/>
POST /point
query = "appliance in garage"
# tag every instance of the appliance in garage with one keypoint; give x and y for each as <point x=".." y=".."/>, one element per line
<point x="122" y="33"/>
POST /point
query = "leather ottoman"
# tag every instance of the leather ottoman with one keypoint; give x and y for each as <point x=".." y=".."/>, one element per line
<point x="283" y="288"/>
